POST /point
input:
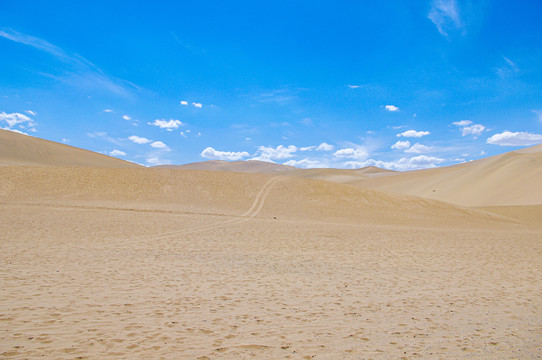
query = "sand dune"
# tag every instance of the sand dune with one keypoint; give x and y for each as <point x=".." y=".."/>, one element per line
<point x="249" y="166"/>
<point x="102" y="262"/>
<point x="22" y="150"/>
<point x="512" y="178"/>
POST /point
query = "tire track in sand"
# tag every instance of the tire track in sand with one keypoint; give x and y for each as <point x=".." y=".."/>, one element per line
<point x="252" y="212"/>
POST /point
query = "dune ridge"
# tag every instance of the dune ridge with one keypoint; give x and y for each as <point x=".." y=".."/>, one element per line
<point x="24" y="150"/>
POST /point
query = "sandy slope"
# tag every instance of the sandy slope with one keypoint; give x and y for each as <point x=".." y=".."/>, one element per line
<point x="157" y="263"/>
<point x="512" y="178"/>
<point x="101" y="262"/>
<point x="22" y="150"/>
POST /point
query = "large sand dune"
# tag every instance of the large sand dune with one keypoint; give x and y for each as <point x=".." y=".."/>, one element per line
<point x="513" y="178"/>
<point x="22" y="150"/>
<point x="99" y="262"/>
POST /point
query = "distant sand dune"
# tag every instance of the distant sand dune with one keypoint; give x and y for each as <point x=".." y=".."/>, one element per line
<point x="22" y="150"/>
<point x="513" y="178"/>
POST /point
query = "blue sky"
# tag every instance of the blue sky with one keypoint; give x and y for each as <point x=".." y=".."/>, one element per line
<point x="397" y="84"/>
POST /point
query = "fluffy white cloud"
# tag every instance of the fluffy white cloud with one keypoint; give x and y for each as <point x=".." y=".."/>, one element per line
<point x="401" y="145"/>
<point x="198" y="105"/>
<point x="126" y="117"/>
<point x="403" y="164"/>
<point x="185" y="103"/>
<point x="418" y="149"/>
<point x="306" y="164"/>
<point x="117" y="153"/>
<point x="168" y="125"/>
<point x="445" y="15"/>
<point x="413" y="133"/>
<point x="159" y="145"/>
<point x="307" y="148"/>
<point x="325" y="147"/>
<point x="391" y="108"/>
<point x="358" y="153"/>
<point x="267" y="153"/>
<point x="468" y="128"/>
<point x="17" y="119"/>
<point x="139" y="140"/>
<point x="212" y="154"/>
<point x="508" y="138"/>
<point x="475" y="130"/>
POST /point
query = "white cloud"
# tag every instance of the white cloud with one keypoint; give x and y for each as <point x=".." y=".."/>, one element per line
<point x="117" y="153"/>
<point x="353" y="86"/>
<point x="65" y="140"/>
<point x="139" y="140"/>
<point x="538" y="114"/>
<point x="325" y="147"/>
<point x="185" y="103"/>
<point x="165" y="124"/>
<point x="403" y="164"/>
<point x="30" y="112"/>
<point x="306" y="164"/>
<point x="469" y="129"/>
<point x="212" y="154"/>
<point x="198" y="105"/>
<point x="475" y="130"/>
<point x="418" y="149"/>
<point x="17" y="119"/>
<point x="391" y="108"/>
<point x="508" y="138"/>
<point x="359" y="153"/>
<point x="445" y="15"/>
<point x="107" y="110"/>
<point x="13" y="119"/>
<point x="462" y="123"/>
<point x="126" y="117"/>
<point x="413" y="133"/>
<point x="307" y="148"/>
<point x="158" y="145"/>
<point x="267" y="153"/>
<point x="401" y="145"/>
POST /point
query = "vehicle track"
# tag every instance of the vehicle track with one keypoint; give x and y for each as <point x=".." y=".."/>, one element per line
<point x="252" y="212"/>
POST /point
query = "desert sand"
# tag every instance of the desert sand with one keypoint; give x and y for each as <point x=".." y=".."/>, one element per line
<point x="110" y="262"/>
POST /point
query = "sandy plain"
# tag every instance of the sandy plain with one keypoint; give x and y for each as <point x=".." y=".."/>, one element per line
<point x="161" y="263"/>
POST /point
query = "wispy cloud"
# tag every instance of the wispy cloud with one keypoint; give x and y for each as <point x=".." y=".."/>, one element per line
<point x="445" y="15"/>
<point x="78" y="71"/>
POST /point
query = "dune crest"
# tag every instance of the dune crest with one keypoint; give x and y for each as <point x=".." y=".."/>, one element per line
<point x="23" y="150"/>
